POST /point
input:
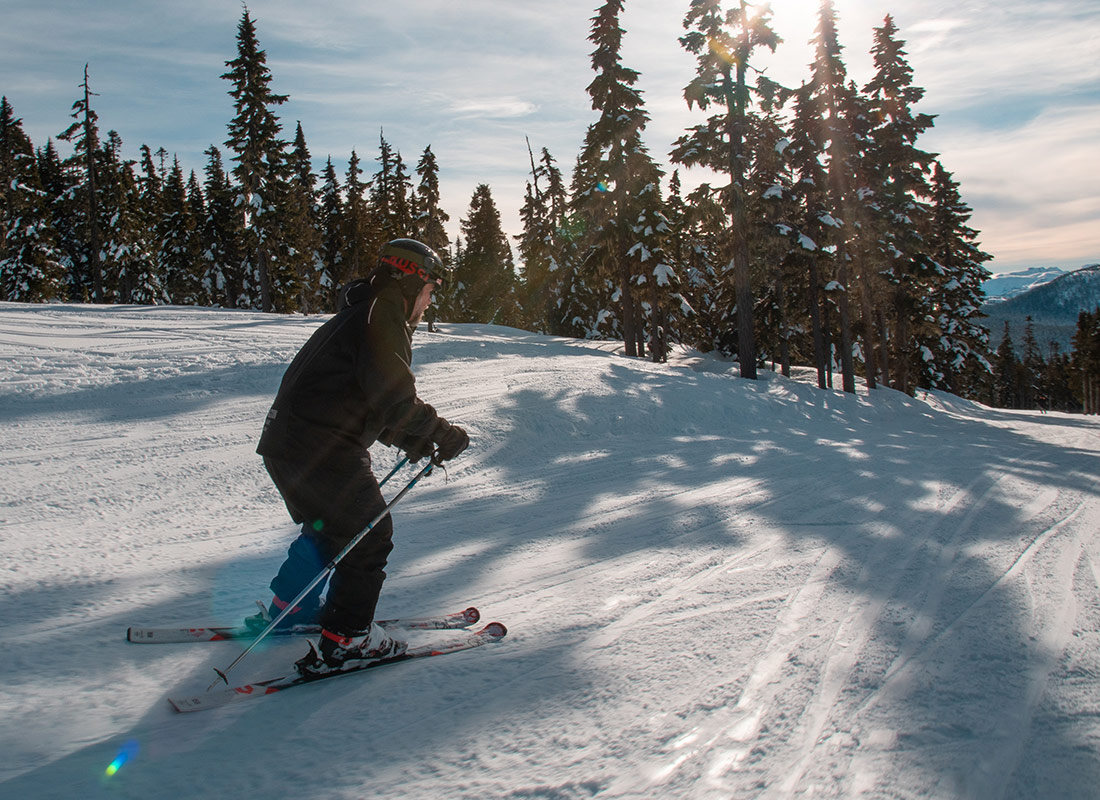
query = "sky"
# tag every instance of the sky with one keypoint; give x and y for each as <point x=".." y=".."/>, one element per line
<point x="1015" y="87"/>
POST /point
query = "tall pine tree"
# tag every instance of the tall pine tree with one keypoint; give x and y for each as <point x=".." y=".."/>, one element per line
<point x="259" y="156"/>
<point x="485" y="281"/>
<point x="30" y="262"/>
<point x="615" y="169"/>
<point x="723" y="44"/>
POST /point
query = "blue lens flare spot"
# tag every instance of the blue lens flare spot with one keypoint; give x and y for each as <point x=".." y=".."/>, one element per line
<point x="128" y="751"/>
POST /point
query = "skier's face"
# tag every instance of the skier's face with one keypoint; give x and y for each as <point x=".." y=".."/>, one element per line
<point x="420" y="305"/>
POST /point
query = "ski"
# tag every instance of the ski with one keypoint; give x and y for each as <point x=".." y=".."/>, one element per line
<point x="492" y="632"/>
<point x="216" y="633"/>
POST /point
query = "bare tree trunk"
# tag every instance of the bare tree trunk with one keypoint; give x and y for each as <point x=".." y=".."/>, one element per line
<point x="847" y="366"/>
<point x="746" y="337"/>
<point x="868" y="323"/>
<point x="884" y="345"/>
<point x="815" y="325"/>
<point x="626" y="302"/>
<point x="901" y="363"/>
<point x="266" y="304"/>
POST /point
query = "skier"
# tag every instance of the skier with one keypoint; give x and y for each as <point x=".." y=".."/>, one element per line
<point x="349" y="386"/>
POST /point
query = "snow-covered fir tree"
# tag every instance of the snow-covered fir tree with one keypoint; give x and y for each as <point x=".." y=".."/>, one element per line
<point x="330" y="221"/>
<point x="614" y="168"/>
<point x="429" y="221"/>
<point x="81" y="200"/>
<point x="357" y="237"/>
<point x="31" y="268"/>
<point x="259" y="156"/>
<point x="131" y="272"/>
<point x="301" y="241"/>
<point x="831" y="90"/>
<point x="542" y="215"/>
<point x="806" y="228"/>
<point x="896" y="181"/>
<point x="177" y="255"/>
<point x="221" y="252"/>
<point x="723" y="43"/>
<point x="484" y="276"/>
<point x="959" y="354"/>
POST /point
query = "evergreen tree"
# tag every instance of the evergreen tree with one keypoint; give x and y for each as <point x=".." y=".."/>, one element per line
<point x="175" y="235"/>
<point x="615" y="169"/>
<point x="807" y="228"/>
<point x="57" y="184"/>
<point x="772" y="204"/>
<point x="542" y="215"/>
<point x="196" y="208"/>
<point x="301" y="241"/>
<point x="703" y="290"/>
<point x="1032" y="367"/>
<point x="150" y="190"/>
<point x="390" y="191"/>
<point x="1006" y="373"/>
<point x="723" y="44"/>
<point x="829" y="79"/>
<point x="961" y="350"/>
<point x="897" y="182"/>
<point x="259" y="156"/>
<point x="658" y="277"/>
<point x="581" y="290"/>
<point x="428" y="224"/>
<point x="430" y="218"/>
<point x="676" y="249"/>
<point x="404" y="202"/>
<point x="30" y="263"/>
<point x="484" y="277"/>
<point x="359" y="239"/>
<point x="330" y="219"/>
<point x="222" y="240"/>
<point x="1086" y="359"/>
<point x="83" y="201"/>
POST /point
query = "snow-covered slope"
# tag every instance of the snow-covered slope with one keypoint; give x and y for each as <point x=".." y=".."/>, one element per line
<point x="1007" y="285"/>
<point x="715" y="587"/>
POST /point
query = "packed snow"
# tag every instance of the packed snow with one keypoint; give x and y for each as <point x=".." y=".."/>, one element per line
<point x="715" y="588"/>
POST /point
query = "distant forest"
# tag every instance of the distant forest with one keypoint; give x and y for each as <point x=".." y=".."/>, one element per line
<point x="830" y="238"/>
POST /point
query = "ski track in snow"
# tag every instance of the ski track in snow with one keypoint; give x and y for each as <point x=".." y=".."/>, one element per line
<point x="715" y="588"/>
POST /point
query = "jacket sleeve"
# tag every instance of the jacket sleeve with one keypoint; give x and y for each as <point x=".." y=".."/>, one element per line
<point x="384" y="374"/>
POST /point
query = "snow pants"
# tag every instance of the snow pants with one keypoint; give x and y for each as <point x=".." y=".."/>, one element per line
<point x="333" y="502"/>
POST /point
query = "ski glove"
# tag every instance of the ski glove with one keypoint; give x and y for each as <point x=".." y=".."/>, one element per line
<point x="451" y="439"/>
<point x="418" y="447"/>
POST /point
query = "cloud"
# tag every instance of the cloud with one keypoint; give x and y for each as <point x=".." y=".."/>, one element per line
<point x="1032" y="187"/>
<point x="493" y="108"/>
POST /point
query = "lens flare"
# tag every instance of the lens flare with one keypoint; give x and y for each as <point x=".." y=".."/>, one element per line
<point x="128" y="751"/>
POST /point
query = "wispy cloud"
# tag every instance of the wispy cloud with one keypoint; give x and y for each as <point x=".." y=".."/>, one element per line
<point x="493" y="108"/>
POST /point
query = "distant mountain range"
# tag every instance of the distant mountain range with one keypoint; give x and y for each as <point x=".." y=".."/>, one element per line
<point x="1052" y="297"/>
<point x="1010" y="284"/>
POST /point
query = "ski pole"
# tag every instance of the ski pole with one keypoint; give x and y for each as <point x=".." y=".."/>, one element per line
<point x="393" y="471"/>
<point x="324" y="572"/>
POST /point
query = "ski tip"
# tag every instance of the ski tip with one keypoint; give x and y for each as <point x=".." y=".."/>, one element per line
<point x="495" y="630"/>
<point x="471" y="615"/>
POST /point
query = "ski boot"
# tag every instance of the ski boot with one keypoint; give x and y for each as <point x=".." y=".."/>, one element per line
<point x="336" y="652"/>
<point x="299" y="616"/>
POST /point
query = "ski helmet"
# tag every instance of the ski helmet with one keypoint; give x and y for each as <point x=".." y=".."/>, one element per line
<point x="413" y="264"/>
